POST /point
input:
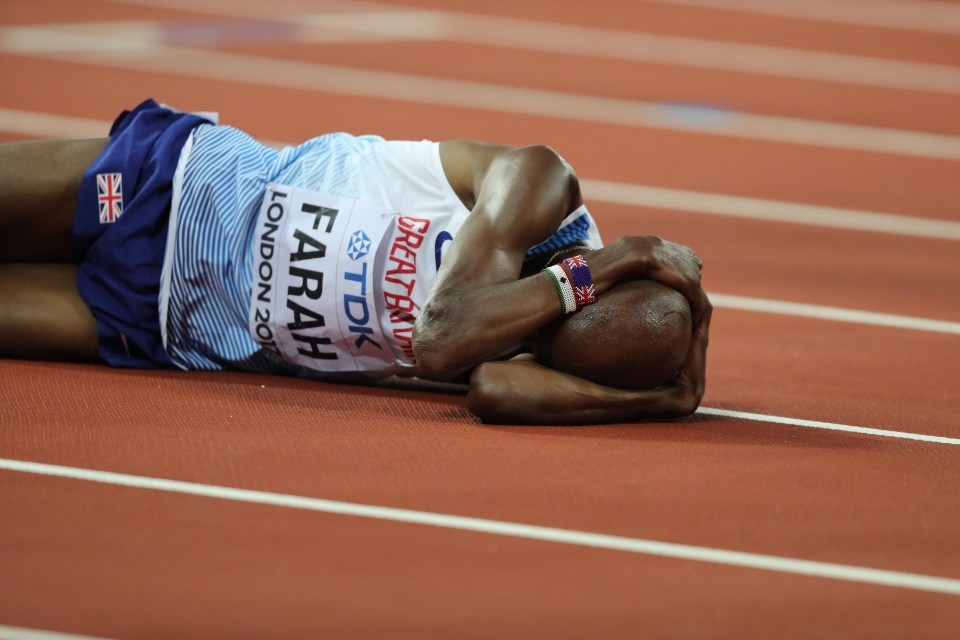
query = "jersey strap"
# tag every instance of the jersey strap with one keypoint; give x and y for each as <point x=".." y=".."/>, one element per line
<point x="577" y="228"/>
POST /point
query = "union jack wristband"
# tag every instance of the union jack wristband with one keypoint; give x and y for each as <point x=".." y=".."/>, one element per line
<point x="582" y="280"/>
<point x="574" y="283"/>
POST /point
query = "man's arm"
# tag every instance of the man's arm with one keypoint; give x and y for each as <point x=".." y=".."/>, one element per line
<point x="478" y="308"/>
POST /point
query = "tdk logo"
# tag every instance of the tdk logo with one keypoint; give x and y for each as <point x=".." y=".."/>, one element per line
<point x="355" y="305"/>
<point x="359" y="245"/>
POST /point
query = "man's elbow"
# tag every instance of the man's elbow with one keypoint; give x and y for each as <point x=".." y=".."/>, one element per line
<point x="486" y="399"/>
<point x="542" y="160"/>
<point x="433" y="349"/>
<point x="429" y="358"/>
<point x="431" y="361"/>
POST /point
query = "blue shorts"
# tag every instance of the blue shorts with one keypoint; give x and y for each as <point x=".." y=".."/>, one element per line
<point x="120" y="231"/>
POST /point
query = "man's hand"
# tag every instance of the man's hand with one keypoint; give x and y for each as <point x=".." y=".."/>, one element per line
<point x="688" y="386"/>
<point x="652" y="258"/>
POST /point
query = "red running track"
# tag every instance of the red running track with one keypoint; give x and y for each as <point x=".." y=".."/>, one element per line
<point x="109" y="561"/>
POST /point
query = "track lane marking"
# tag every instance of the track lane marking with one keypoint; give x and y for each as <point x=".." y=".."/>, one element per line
<point x="312" y="76"/>
<point x="48" y="125"/>
<point x="812" y="568"/>
<point x="838" y="314"/>
<point x="831" y="426"/>
<point x="433" y="91"/>
<point x="701" y="53"/>
<point x="918" y="15"/>
<point x="641" y="195"/>
<point x="23" y="633"/>
<point x="372" y="20"/>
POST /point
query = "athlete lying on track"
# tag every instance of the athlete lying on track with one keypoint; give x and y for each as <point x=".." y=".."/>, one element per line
<point x="181" y="243"/>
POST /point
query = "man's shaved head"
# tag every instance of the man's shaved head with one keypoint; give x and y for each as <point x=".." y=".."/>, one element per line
<point x="636" y="336"/>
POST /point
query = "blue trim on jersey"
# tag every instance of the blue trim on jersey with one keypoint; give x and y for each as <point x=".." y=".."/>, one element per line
<point x="577" y="231"/>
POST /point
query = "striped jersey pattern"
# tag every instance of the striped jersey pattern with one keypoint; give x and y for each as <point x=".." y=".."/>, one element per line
<point x="210" y="278"/>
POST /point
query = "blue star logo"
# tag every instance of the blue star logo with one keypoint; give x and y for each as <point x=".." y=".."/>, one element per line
<point x="359" y="245"/>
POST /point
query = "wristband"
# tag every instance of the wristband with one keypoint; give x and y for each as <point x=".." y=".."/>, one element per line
<point x="561" y="280"/>
<point x="582" y="280"/>
<point x="574" y="283"/>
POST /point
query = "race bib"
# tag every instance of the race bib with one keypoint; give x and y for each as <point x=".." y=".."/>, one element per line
<point x="313" y="298"/>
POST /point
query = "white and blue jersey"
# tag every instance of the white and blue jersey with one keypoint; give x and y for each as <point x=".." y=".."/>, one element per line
<point x="312" y="259"/>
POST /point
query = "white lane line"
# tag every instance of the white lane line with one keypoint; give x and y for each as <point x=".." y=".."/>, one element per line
<point x="259" y="8"/>
<point x="839" y="314"/>
<point x="138" y="52"/>
<point x="44" y="125"/>
<point x="142" y="35"/>
<point x="916" y="15"/>
<point x="392" y="24"/>
<point x="432" y="91"/>
<point x="781" y="564"/>
<point x="832" y="426"/>
<point x="701" y="53"/>
<point x="47" y="125"/>
<point x="22" y="633"/>
<point x="761" y="209"/>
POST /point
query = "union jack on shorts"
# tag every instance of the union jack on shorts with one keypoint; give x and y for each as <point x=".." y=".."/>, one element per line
<point x="110" y="196"/>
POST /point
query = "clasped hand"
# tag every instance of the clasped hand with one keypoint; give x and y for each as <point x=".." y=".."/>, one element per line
<point x="677" y="267"/>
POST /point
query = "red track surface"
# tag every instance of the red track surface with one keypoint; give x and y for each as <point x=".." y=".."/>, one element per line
<point x="88" y="558"/>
